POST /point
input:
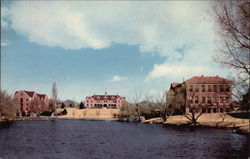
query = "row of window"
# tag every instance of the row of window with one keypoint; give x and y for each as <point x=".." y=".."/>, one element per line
<point x="100" y="105"/>
<point x="209" y="100"/>
<point x="209" y="88"/>
<point x="105" y="101"/>
<point x="215" y="110"/>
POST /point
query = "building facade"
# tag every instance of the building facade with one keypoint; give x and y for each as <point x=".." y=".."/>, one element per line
<point x="210" y="94"/>
<point x="30" y="101"/>
<point x="105" y="101"/>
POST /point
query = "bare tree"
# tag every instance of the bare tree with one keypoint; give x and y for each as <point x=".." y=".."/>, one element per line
<point x="36" y="105"/>
<point x="178" y="99"/>
<point x="84" y="112"/>
<point x="8" y="106"/>
<point x="53" y="101"/>
<point x="195" y="111"/>
<point x="137" y="99"/>
<point x="73" y="112"/>
<point x="161" y="105"/>
<point x="97" y="112"/>
<point x="223" y="116"/>
<point x="233" y="19"/>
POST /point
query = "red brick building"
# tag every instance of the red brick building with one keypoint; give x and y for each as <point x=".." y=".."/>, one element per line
<point x="30" y="101"/>
<point x="104" y="101"/>
<point x="211" y="94"/>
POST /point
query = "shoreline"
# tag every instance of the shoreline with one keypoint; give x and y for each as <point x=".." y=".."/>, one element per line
<point x="211" y="120"/>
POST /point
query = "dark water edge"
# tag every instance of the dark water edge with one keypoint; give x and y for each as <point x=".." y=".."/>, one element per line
<point x="66" y="139"/>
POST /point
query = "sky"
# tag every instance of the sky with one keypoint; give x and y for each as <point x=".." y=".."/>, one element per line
<point x="121" y="47"/>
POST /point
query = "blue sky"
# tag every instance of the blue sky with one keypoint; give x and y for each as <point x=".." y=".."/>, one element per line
<point x="92" y="47"/>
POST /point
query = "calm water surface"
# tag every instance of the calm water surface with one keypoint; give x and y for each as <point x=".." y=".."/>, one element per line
<point x="77" y="139"/>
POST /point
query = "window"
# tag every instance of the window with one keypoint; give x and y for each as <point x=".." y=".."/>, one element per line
<point x="227" y="99"/>
<point x="221" y="99"/>
<point x="191" y="88"/>
<point x="197" y="88"/>
<point x="203" y="110"/>
<point x="227" y="88"/>
<point x="214" y="110"/>
<point x="209" y="100"/>
<point x="221" y="88"/>
<point x="214" y="99"/>
<point x="203" y="100"/>
<point x="221" y="110"/>
<point x="209" y="110"/>
<point x="203" y="88"/>
<point x="191" y="101"/>
<point x="196" y="100"/>
<point x="209" y="89"/>
<point x="214" y="88"/>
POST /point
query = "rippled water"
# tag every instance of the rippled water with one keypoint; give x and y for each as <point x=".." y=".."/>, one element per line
<point x="78" y="139"/>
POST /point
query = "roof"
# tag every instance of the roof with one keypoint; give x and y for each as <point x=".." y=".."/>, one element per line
<point x="208" y="79"/>
<point x="174" y="84"/>
<point x="30" y="93"/>
<point x="102" y="97"/>
<point x="42" y="96"/>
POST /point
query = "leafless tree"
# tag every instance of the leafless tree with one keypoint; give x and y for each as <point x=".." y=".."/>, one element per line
<point x="160" y="105"/>
<point x="178" y="99"/>
<point x="73" y="112"/>
<point x="36" y="105"/>
<point x="53" y="101"/>
<point x="195" y="111"/>
<point x="97" y="112"/>
<point x="233" y="20"/>
<point x="84" y="112"/>
<point x="137" y="99"/>
<point x="8" y="106"/>
<point x="223" y="116"/>
<point x="128" y="110"/>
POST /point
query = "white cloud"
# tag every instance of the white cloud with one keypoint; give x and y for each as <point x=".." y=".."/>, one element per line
<point x="117" y="78"/>
<point x="163" y="27"/>
<point x="4" y="44"/>
<point x="154" y="26"/>
<point x="4" y="14"/>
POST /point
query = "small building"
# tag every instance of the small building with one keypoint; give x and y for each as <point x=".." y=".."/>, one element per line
<point x="211" y="94"/>
<point x="105" y="101"/>
<point x="30" y="101"/>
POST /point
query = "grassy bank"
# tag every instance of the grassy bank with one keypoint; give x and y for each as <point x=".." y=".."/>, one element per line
<point x="73" y="113"/>
<point x="208" y="120"/>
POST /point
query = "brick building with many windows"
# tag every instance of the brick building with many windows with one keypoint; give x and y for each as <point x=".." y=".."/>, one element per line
<point x="211" y="94"/>
<point x="30" y="101"/>
<point x="105" y="101"/>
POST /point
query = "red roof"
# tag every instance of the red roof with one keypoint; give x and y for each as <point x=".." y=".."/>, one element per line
<point x="42" y="96"/>
<point x="30" y="93"/>
<point x="174" y="84"/>
<point x="208" y="79"/>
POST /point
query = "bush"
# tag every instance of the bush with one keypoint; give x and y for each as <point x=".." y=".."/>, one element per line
<point x="64" y="112"/>
<point x="8" y="106"/>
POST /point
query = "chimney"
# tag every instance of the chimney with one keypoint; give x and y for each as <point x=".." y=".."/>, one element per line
<point x="201" y="75"/>
<point x="106" y="93"/>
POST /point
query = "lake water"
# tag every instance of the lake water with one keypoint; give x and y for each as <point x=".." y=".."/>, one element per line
<point x="79" y="139"/>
